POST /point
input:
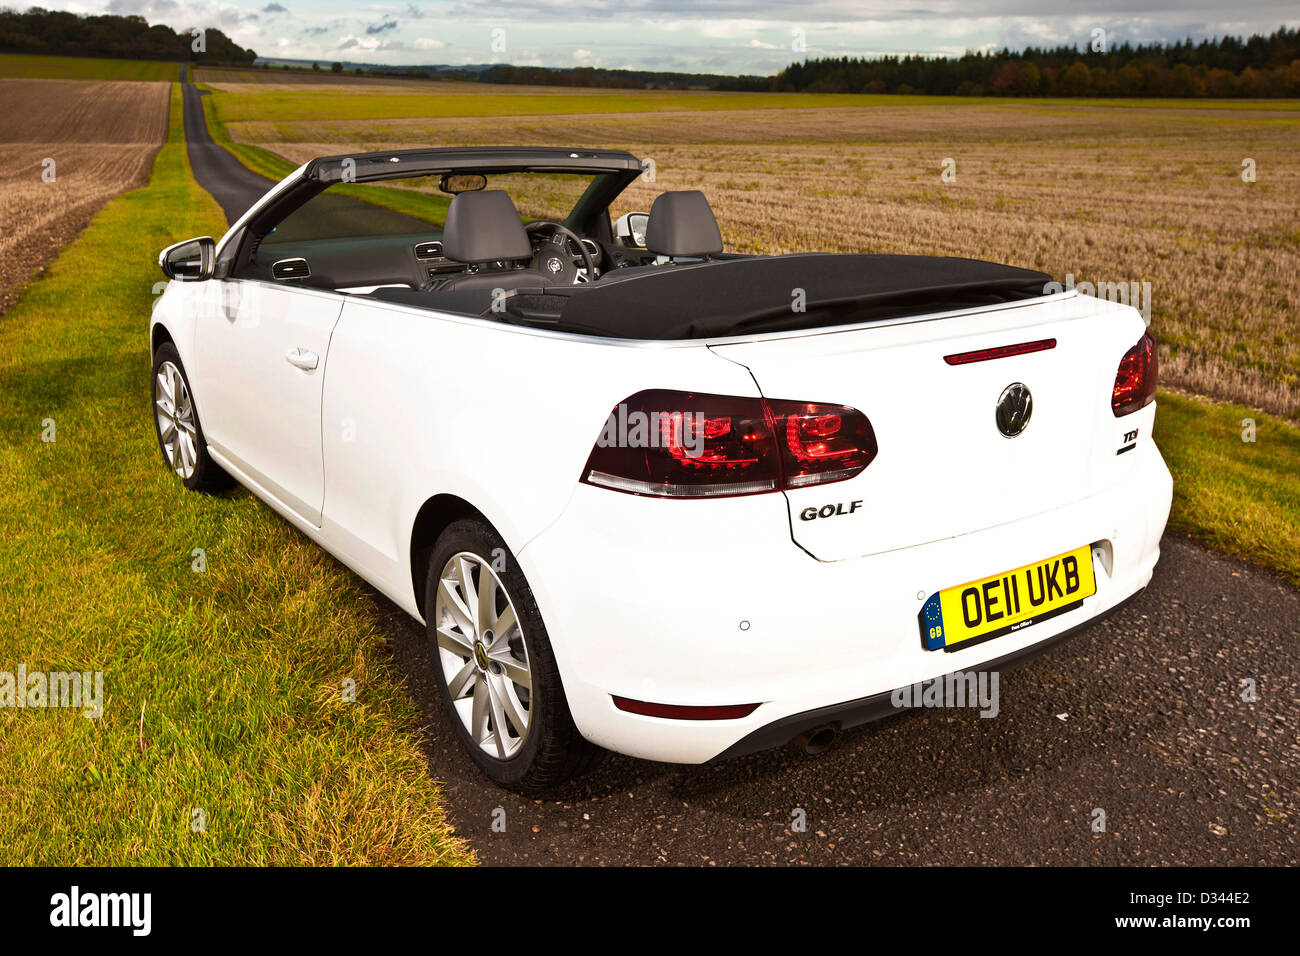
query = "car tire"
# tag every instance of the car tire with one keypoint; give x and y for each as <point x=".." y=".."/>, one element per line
<point x="177" y="427"/>
<point x="478" y="676"/>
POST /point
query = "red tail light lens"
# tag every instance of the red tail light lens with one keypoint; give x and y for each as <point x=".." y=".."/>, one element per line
<point x="1135" y="382"/>
<point x="822" y="443"/>
<point x="673" y="444"/>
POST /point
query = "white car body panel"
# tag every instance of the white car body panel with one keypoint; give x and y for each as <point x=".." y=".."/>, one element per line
<point x="269" y="425"/>
<point x="688" y="602"/>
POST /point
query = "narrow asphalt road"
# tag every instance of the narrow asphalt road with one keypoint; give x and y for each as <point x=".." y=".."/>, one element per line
<point x="234" y="186"/>
<point x="1140" y="723"/>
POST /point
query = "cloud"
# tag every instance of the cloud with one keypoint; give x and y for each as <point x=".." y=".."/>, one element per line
<point x="727" y="36"/>
<point x="351" y="42"/>
<point x="145" y="8"/>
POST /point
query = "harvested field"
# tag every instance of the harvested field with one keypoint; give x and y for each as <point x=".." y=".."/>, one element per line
<point x="102" y="138"/>
<point x="1106" y="194"/>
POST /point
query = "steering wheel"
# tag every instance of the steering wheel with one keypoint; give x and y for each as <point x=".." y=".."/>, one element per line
<point x="553" y="259"/>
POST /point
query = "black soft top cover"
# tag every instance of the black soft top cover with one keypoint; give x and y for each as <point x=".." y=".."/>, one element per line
<point x="738" y="296"/>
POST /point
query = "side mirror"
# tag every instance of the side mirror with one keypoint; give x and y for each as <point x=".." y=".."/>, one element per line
<point x="189" y="261"/>
<point x="630" y="229"/>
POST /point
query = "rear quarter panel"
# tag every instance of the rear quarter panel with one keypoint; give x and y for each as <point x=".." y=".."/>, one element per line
<point x="417" y="404"/>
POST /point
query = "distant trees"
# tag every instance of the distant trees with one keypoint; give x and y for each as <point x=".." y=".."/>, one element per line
<point x="336" y="67"/>
<point x="1259" y="66"/>
<point x="588" y="76"/>
<point x="131" y="37"/>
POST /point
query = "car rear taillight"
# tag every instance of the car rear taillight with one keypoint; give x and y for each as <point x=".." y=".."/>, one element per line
<point x="673" y="444"/>
<point x="821" y="443"/>
<point x="1135" y="382"/>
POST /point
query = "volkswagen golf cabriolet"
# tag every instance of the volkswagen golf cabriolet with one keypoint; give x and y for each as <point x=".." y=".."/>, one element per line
<point x="647" y="495"/>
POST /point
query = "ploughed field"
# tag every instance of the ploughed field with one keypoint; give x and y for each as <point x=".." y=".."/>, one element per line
<point x="1111" y="194"/>
<point x="69" y="146"/>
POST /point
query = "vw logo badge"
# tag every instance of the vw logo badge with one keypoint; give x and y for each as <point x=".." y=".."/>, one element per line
<point x="555" y="265"/>
<point x="1014" y="408"/>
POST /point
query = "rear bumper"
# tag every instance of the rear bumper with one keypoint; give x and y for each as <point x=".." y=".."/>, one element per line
<point x="866" y="709"/>
<point x="703" y="603"/>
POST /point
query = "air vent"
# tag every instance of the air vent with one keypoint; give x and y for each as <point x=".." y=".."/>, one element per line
<point x="290" y="269"/>
<point x="428" y="250"/>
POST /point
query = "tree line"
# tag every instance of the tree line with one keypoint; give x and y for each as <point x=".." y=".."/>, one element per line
<point x="55" y="32"/>
<point x="1261" y="66"/>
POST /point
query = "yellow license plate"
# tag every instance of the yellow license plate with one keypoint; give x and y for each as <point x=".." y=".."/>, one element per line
<point x="967" y="614"/>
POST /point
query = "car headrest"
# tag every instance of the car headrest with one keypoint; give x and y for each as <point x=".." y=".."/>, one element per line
<point x="484" y="226"/>
<point x="682" y="224"/>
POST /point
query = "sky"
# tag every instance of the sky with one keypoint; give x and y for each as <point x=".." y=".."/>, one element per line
<point x="699" y="36"/>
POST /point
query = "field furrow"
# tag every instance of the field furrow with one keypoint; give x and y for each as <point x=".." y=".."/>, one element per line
<point x="68" y="147"/>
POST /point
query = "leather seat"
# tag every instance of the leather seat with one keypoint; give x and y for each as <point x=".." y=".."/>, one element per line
<point x="484" y="227"/>
<point x="682" y="224"/>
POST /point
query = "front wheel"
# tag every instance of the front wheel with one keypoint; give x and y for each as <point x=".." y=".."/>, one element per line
<point x="498" y="678"/>
<point x="176" y="423"/>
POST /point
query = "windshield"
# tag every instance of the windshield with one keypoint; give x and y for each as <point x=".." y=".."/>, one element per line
<point x="416" y="205"/>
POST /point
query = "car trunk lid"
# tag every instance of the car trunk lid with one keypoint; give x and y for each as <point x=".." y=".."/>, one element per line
<point x="944" y="467"/>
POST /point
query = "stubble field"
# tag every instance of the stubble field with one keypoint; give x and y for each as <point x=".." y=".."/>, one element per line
<point x="69" y="147"/>
<point x="1107" y="194"/>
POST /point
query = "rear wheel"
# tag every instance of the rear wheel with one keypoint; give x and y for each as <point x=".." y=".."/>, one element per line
<point x="176" y="423"/>
<point x="499" y="681"/>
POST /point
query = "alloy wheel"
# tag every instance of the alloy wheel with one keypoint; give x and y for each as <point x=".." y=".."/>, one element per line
<point x="484" y="660"/>
<point x="177" y="428"/>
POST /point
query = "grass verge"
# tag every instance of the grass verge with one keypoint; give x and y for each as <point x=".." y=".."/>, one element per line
<point x="226" y="737"/>
<point x="1238" y="496"/>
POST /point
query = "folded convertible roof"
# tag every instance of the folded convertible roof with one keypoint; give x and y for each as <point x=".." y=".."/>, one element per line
<point x="394" y="164"/>
<point x="778" y="293"/>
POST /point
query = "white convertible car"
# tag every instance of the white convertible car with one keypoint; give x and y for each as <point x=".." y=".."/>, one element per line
<point x="649" y="496"/>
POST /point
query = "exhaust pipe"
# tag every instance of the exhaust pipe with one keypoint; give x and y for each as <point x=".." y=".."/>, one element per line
<point x="818" y="740"/>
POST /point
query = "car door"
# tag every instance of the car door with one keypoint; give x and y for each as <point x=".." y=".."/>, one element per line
<point x="261" y="354"/>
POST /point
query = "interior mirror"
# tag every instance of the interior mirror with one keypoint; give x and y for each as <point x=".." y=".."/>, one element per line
<point x="630" y="228"/>
<point x="189" y="261"/>
<point x="462" y="183"/>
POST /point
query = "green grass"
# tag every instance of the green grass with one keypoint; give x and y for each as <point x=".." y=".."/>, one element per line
<point x="1236" y="496"/>
<point x="223" y="689"/>
<point x="84" y="68"/>
<point x="255" y="102"/>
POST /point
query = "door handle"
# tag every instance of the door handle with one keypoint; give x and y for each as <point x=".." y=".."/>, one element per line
<point x="301" y="358"/>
